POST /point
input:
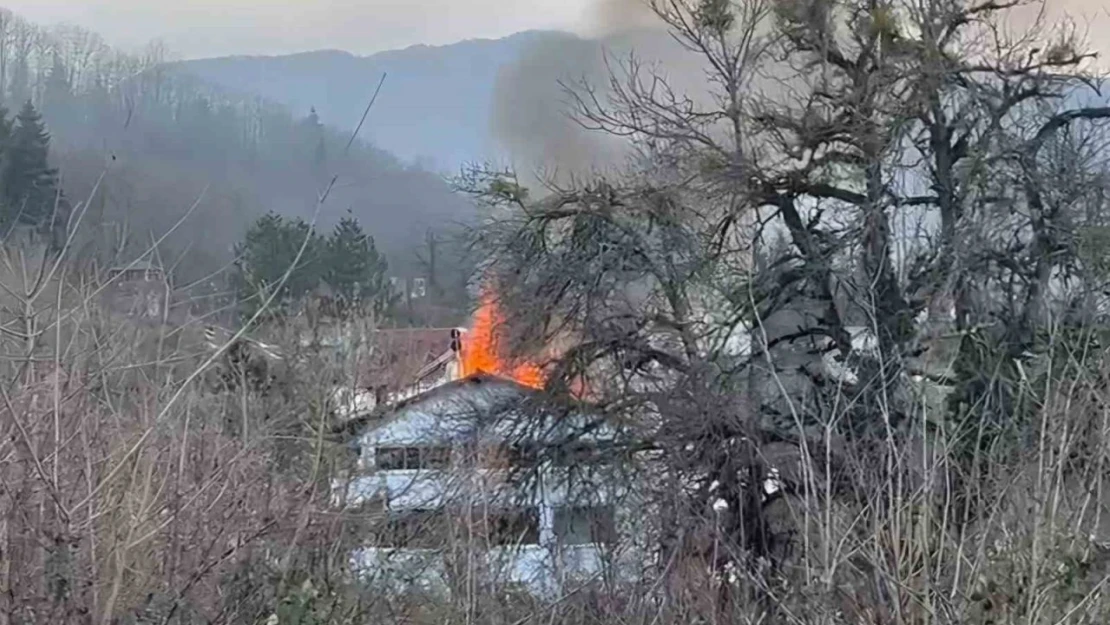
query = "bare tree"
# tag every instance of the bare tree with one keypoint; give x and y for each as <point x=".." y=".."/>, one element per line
<point x="883" y="157"/>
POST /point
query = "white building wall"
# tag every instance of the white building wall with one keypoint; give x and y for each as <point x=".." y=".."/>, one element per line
<point x="446" y="419"/>
<point x="543" y="570"/>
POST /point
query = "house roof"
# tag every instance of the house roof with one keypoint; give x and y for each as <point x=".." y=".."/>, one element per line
<point x="477" y="385"/>
<point x="397" y="356"/>
<point x="480" y="387"/>
<point x="141" y="265"/>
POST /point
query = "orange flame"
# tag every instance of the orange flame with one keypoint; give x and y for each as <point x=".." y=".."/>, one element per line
<point x="481" y="350"/>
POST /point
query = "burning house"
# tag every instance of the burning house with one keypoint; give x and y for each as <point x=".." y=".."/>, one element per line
<point x="473" y="463"/>
<point x="397" y="364"/>
<point x="470" y="469"/>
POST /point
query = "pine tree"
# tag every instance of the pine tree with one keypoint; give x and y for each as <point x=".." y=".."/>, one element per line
<point x="5" y="129"/>
<point x="30" y="185"/>
<point x="7" y="216"/>
<point x="266" y="254"/>
<point x="356" y="272"/>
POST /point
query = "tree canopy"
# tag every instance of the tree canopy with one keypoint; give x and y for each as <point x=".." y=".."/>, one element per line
<point x="30" y="191"/>
<point x="343" y="268"/>
<point x="778" y="265"/>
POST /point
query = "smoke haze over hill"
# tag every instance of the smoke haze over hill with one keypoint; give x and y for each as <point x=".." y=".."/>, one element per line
<point x="163" y="139"/>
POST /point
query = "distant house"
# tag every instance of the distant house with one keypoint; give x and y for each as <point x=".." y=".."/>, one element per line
<point x="138" y="290"/>
<point x="445" y="469"/>
<point x="137" y="272"/>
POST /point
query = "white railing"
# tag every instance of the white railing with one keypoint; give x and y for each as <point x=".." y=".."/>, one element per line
<point x="537" y="568"/>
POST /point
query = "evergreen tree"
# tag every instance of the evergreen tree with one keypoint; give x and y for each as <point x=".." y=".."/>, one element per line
<point x="6" y="124"/>
<point x="267" y="252"/>
<point x="7" y="217"/>
<point x="30" y="185"/>
<point x="355" y="271"/>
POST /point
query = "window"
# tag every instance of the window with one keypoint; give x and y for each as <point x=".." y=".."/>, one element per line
<point x="497" y="456"/>
<point x="399" y="458"/>
<point x="585" y="525"/>
<point x="397" y="284"/>
<point x="581" y="453"/>
<point x="518" y="527"/>
<point x="417" y="529"/>
<point x="389" y="459"/>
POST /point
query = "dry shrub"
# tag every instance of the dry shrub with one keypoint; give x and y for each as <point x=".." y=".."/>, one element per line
<point x="131" y="492"/>
<point x="921" y="534"/>
<point x="123" y="492"/>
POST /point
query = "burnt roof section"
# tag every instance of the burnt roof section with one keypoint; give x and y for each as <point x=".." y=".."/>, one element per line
<point x="140" y="265"/>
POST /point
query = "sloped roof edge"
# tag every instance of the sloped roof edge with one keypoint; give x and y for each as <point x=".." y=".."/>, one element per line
<point x="382" y="415"/>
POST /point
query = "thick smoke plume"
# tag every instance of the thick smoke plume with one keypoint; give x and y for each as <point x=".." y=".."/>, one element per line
<point x="616" y="16"/>
<point x="532" y="113"/>
<point x="531" y="109"/>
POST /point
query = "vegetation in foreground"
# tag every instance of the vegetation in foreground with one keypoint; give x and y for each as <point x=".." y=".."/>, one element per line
<point x="909" y="160"/>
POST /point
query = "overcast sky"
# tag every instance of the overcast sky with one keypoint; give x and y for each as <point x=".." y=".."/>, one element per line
<point x="200" y="28"/>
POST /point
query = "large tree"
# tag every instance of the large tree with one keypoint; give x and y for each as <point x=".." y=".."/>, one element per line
<point x="31" y="193"/>
<point x="279" y="254"/>
<point x="314" y="140"/>
<point x="356" y="272"/>
<point x="898" y="158"/>
<point x="57" y="94"/>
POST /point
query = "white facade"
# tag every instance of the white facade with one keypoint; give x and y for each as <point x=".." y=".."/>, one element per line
<point x="426" y="459"/>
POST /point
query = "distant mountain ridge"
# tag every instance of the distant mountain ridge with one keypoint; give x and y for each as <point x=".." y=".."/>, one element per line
<point x="434" y="108"/>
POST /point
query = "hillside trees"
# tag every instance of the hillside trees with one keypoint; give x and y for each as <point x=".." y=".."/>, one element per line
<point x="346" y="262"/>
<point x="897" y="161"/>
<point x="356" y="272"/>
<point x="28" y="183"/>
<point x="170" y="138"/>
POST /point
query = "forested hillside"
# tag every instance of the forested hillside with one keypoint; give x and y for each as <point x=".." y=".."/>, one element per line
<point x="437" y="105"/>
<point x="165" y="140"/>
<point x="470" y="101"/>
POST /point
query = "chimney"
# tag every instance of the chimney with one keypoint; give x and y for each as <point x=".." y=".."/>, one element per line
<point x="455" y="365"/>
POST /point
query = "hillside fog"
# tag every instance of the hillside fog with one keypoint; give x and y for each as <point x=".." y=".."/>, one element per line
<point x="726" y="312"/>
<point x="162" y="138"/>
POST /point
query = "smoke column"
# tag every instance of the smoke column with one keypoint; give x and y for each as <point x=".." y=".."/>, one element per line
<point x="531" y="113"/>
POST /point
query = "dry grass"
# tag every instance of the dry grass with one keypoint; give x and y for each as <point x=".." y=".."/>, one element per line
<point x="126" y="484"/>
<point x="131" y="492"/>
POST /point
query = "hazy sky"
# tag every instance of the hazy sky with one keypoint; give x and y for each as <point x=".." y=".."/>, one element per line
<point x="198" y="28"/>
